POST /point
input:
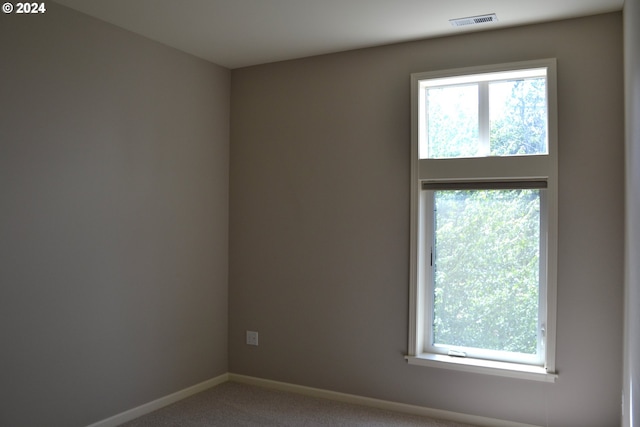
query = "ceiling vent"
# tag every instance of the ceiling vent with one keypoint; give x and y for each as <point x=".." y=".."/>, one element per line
<point x="474" y="20"/>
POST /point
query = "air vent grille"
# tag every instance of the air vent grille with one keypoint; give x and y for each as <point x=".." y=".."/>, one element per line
<point x="474" y="20"/>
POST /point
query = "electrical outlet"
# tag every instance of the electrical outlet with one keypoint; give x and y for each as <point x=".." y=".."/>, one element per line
<point x="252" y="338"/>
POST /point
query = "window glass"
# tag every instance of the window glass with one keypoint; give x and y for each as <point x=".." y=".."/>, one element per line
<point x="486" y="265"/>
<point x="453" y="121"/>
<point x="498" y="114"/>
<point x="518" y="116"/>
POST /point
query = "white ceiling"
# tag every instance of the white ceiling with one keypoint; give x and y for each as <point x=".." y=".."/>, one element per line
<point x="239" y="33"/>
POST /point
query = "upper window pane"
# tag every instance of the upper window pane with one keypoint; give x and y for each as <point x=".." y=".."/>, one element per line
<point x="489" y="114"/>
<point x="518" y="117"/>
<point x="453" y="121"/>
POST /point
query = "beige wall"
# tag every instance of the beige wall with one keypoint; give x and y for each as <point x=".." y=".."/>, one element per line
<point x="319" y="223"/>
<point x="632" y="295"/>
<point x="113" y="219"/>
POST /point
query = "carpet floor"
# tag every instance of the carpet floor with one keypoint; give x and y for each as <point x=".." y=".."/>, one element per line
<point x="235" y="404"/>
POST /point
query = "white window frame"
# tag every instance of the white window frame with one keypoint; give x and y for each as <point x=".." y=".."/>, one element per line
<point x="480" y="169"/>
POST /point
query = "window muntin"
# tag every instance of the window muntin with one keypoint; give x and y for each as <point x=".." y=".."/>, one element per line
<point x="517" y="167"/>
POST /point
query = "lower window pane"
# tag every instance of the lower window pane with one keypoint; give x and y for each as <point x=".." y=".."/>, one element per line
<point x="486" y="269"/>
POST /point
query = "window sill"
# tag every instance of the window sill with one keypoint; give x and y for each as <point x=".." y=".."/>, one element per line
<point x="479" y="366"/>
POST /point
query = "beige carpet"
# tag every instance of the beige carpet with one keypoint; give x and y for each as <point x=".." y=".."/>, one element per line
<point x="235" y="404"/>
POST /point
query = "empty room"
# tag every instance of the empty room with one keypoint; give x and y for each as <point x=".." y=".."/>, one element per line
<point x="430" y="208"/>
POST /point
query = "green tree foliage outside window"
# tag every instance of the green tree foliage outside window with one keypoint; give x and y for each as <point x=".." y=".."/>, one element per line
<point x="453" y="121"/>
<point x="486" y="269"/>
<point x="518" y="119"/>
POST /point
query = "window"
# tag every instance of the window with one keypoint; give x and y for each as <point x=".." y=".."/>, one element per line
<point x="484" y="220"/>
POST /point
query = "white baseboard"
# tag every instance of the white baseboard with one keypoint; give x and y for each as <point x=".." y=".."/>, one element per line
<point x="131" y="414"/>
<point x="376" y="403"/>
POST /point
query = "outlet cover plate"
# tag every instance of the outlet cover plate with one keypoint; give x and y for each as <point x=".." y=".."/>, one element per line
<point x="252" y="338"/>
